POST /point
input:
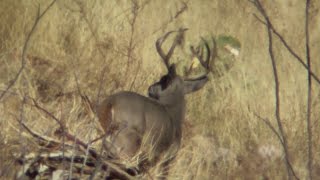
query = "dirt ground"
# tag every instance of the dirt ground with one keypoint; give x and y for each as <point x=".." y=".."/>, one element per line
<point x="100" y="47"/>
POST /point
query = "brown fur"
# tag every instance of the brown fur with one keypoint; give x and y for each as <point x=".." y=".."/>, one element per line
<point x="104" y="112"/>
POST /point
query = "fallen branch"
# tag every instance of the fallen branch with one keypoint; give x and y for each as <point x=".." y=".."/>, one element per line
<point x="49" y="160"/>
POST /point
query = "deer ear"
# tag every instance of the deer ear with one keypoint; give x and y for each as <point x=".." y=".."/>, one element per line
<point x="194" y="84"/>
<point x="172" y="70"/>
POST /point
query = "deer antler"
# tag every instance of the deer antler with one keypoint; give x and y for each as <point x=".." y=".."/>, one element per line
<point x="177" y="41"/>
<point x="211" y="54"/>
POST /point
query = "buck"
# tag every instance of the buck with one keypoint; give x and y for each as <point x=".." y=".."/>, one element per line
<point x="134" y="121"/>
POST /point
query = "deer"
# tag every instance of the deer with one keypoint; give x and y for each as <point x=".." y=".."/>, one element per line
<point x="133" y="120"/>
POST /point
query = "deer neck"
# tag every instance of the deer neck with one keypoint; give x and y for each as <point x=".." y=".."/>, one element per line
<point x="176" y="109"/>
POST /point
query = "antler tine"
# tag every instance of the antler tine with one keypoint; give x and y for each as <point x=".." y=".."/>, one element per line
<point x="214" y="53"/>
<point x="205" y="63"/>
<point x="177" y="40"/>
<point x="211" y="54"/>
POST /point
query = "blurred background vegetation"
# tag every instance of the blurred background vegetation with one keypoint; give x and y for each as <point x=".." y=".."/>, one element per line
<point x="100" y="47"/>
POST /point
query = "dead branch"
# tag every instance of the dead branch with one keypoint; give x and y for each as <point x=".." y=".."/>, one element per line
<point x="135" y="9"/>
<point x="290" y="171"/>
<point x="135" y="76"/>
<point x="179" y="12"/>
<point x="49" y="162"/>
<point x="286" y="45"/>
<point x="21" y="119"/>
<point x="309" y="99"/>
<point x="62" y="131"/>
<point x="273" y="129"/>
<point x="84" y="15"/>
<point x="52" y="157"/>
<point x="41" y="140"/>
<point x="70" y="137"/>
<point x="25" y="48"/>
<point x="35" y="104"/>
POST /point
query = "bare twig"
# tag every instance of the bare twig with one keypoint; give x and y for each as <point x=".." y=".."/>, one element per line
<point x="84" y="14"/>
<point x="277" y="110"/>
<point x="131" y="46"/>
<point x="84" y="162"/>
<point x="63" y="138"/>
<point x="62" y="126"/>
<point x="179" y="12"/>
<point x="97" y="139"/>
<point x="135" y="10"/>
<point x="71" y="137"/>
<point x="88" y="154"/>
<point x="98" y="164"/>
<point x="96" y="169"/>
<point x="117" y="170"/>
<point x="93" y="32"/>
<point x="290" y="170"/>
<point x="290" y="50"/>
<point x="273" y="129"/>
<point x="21" y="120"/>
<point x="41" y="140"/>
<point x="72" y="158"/>
<point x="25" y="48"/>
<point x="309" y="100"/>
<point x="35" y="104"/>
<point x="135" y="76"/>
<point x="91" y="110"/>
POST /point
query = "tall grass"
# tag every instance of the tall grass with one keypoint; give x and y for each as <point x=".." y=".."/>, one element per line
<point x="95" y="48"/>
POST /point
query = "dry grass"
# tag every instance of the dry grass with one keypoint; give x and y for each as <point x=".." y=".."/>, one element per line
<point x="96" y="48"/>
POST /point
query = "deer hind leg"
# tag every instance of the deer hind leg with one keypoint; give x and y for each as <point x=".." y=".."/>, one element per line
<point x="127" y="142"/>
